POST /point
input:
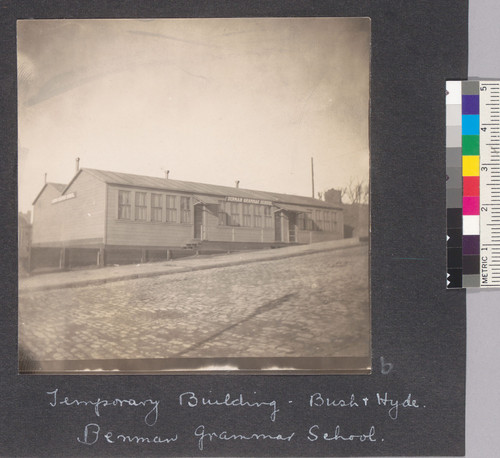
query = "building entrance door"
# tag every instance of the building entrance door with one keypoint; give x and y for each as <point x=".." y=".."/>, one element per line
<point x="292" y="224"/>
<point x="198" y="221"/>
<point x="277" y="227"/>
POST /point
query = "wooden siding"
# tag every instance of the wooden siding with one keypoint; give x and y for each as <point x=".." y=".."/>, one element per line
<point x="316" y="236"/>
<point x="213" y="231"/>
<point x="130" y="232"/>
<point x="79" y="218"/>
<point x="239" y="234"/>
<point x="134" y="232"/>
<point x="305" y="236"/>
<point x="73" y="243"/>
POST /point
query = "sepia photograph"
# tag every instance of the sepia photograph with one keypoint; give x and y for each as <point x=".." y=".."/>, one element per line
<point x="194" y="195"/>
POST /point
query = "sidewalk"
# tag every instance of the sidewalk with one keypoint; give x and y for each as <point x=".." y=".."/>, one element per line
<point x="103" y="275"/>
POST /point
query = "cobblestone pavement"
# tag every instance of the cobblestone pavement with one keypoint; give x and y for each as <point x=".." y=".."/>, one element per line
<point x="310" y="305"/>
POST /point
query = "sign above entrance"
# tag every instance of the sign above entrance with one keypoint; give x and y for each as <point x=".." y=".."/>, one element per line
<point x="63" y="198"/>
<point x="246" y="200"/>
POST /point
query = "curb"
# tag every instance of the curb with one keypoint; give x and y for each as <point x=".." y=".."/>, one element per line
<point x="177" y="270"/>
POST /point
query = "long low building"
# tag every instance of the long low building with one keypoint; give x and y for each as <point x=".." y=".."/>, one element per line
<point x="103" y="217"/>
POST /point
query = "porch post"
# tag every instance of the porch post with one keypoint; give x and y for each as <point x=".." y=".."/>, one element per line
<point x="62" y="258"/>
<point x="101" y="262"/>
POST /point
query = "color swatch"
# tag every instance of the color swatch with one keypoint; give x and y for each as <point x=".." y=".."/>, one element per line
<point x="470" y="174"/>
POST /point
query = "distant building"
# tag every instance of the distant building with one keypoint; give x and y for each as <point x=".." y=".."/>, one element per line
<point x="105" y="217"/>
<point x="356" y="220"/>
<point x="356" y="215"/>
<point x="333" y="196"/>
<point x="24" y="240"/>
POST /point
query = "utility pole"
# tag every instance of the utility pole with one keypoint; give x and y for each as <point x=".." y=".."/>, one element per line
<point x="312" y="176"/>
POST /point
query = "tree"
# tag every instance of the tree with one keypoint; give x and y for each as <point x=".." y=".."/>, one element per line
<point x="357" y="191"/>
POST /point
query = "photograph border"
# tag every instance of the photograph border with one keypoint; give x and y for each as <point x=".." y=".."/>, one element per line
<point x="51" y="254"/>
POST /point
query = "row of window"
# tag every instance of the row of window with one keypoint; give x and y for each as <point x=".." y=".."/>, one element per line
<point x="323" y="220"/>
<point x="159" y="203"/>
<point x="250" y="215"/>
<point x="133" y="205"/>
<point x="247" y="215"/>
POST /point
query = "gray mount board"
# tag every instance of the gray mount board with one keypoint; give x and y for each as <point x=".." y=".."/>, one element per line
<point x="418" y="327"/>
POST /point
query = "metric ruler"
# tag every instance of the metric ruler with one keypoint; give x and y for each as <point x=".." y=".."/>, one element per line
<point x="489" y="179"/>
<point x="473" y="184"/>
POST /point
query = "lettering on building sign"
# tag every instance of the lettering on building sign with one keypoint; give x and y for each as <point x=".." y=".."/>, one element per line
<point x="246" y="200"/>
<point x="71" y="195"/>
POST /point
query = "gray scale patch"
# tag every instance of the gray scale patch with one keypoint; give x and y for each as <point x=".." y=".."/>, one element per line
<point x="454" y="157"/>
<point x="454" y="198"/>
<point x="471" y="281"/>
<point x="470" y="87"/>
<point x="454" y="136"/>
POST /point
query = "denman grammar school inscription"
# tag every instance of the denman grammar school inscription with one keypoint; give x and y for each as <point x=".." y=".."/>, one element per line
<point x="273" y="425"/>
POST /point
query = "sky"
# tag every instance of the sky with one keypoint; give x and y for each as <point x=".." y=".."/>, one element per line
<point x="210" y="100"/>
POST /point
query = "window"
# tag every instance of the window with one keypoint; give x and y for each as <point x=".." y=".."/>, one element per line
<point x="123" y="204"/>
<point x="319" y="219"/>
<point x="327" y="221"/>
<point x="141" y="208"/>
<point x="301" y="221"/>
<point x="309" y="224"/>
<point x="268" y="219"/>
<point x="171" y="214"/>
<point x="156" y="207"/>
<point x="235" y="214"/>
<point x="185" y="210"/>
<point x="305" y="221"/>
<point x="257" y="215"/>
<point x="222" y="213"/>
<point x="247" y="215"/>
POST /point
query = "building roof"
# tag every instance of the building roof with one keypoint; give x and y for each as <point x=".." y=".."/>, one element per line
<point x="58" y="186"/>
<point x="164" y="184"/>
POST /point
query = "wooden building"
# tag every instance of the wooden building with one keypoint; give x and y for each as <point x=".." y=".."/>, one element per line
<point x="23" y="241"/>
<point x="105" y="217"/>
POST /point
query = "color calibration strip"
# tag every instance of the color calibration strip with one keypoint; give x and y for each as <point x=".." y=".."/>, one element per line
<point x="454" y="183"/>
<point x="473" y="183"/>
<point x="470" y="174"/>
